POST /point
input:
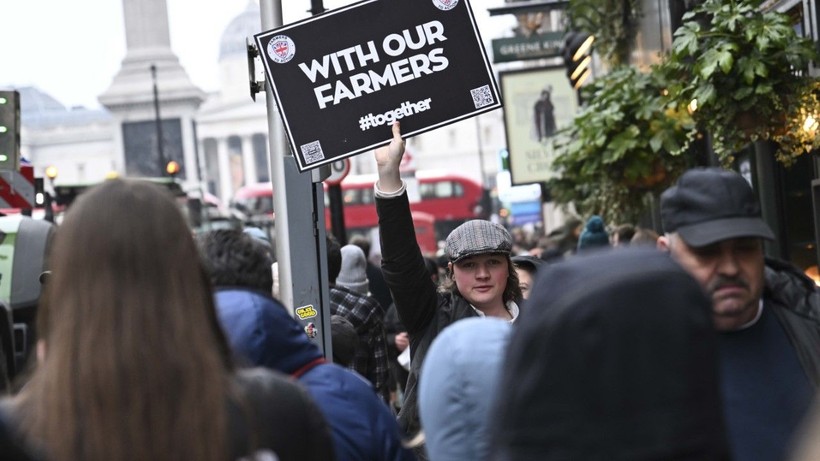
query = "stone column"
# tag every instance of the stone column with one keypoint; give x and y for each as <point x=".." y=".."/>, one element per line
<point x="130" y="97"/>
<point x="248" y="160"/>
<point x="225" y="183"/>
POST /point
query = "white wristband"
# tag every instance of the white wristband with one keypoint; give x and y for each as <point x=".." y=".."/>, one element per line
<point x="381" y="194"/>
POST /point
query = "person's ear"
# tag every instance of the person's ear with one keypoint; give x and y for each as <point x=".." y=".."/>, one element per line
<point x="663" y="243"/>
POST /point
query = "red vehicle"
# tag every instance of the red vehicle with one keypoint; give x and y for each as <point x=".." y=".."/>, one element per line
<point x="425" y="226"/>
<point x="450" y="199"/>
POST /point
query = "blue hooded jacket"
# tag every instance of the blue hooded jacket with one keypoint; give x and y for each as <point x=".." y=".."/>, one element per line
<point x="460" y="376"/>
<point x="261" y="331"/>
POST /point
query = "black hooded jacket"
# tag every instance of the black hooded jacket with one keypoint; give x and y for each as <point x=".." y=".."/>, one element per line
<point x="615" y="358"/>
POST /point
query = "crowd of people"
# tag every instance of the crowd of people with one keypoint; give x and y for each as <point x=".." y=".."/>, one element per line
<point x="577" y="235"/>
<point x="613" y="355"/>
<point x="601" y="342"/>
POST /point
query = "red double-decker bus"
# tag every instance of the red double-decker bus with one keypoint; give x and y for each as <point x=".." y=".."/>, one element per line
<point x="448" y="198"/>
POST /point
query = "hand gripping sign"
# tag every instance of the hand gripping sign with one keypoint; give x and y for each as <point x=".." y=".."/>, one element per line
<point x="340" y="79"/>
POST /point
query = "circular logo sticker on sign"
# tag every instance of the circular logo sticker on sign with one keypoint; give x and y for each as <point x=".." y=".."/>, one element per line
<point x="445" y="5"/>
<point x="281" y="49"/>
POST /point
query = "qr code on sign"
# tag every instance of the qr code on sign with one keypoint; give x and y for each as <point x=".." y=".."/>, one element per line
<point x="312" y="152"/>
<point x="482" y="96"/>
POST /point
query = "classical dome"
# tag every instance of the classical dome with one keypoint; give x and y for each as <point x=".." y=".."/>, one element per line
<point x="245" y="25"/>
<point x="40" y="110"/>
<point x="33" y="102"/>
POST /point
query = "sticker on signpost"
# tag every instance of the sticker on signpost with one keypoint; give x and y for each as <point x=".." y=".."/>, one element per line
<point x="419" y="62"/>
<point x="306" y="312"/>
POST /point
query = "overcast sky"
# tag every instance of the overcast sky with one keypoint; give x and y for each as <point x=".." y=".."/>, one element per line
<point x="72" y="49"/>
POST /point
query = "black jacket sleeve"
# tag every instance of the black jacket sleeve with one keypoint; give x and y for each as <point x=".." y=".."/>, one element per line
<point x="414" y="293"/>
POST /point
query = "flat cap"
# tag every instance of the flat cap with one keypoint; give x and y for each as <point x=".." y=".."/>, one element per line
<point x="477" y="237"/>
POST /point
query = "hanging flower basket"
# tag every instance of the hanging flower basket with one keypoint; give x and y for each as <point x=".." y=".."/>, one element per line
<point x="743" y="70"/>
<point x="627" y="141"/>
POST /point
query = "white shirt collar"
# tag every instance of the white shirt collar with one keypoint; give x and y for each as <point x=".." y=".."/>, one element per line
<point x="754" y="320"/>
<point x="512" y="308"/>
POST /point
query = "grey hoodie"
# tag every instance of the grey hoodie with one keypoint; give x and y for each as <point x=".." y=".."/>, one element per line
<point x="459" y="377"/>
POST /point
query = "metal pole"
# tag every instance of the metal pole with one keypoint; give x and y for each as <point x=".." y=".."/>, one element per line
<point x="337" y="216"/>
<point x="768" y="190"/>
<point x="158" y="121"/>
<point x="300" y="230"/>
<point x="480" y="152"/>
<point x="48" y="207"/>
<point x="206" y="219"/>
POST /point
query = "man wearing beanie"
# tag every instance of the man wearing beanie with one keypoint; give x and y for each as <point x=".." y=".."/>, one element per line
<point x="594" y="234"/>
<point x="767" y="311"/>
<point x="349" y="299"/>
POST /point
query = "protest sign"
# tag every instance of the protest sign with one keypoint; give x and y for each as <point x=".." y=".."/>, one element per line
<point x="341" y="78"/>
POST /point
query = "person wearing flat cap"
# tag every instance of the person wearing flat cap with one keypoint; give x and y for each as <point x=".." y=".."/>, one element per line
<point x="481" y="279"/>
<point x="767" y="311"/>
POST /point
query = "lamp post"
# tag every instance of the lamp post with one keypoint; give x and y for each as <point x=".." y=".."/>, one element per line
<point x="157" y="120"/>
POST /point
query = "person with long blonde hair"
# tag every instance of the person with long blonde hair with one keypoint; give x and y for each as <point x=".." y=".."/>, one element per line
<point x="132" y="363"/>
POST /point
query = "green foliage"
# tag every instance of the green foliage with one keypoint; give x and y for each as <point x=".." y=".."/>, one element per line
<point x="627" y="141"/>
<point x="742" y="66"/>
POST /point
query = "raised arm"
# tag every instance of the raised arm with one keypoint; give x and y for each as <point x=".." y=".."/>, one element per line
<point x="402" y="263"/>
<point x="388" y="159"/>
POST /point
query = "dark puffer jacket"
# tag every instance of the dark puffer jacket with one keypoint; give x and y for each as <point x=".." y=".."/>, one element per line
<point x="795" y="300"/>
